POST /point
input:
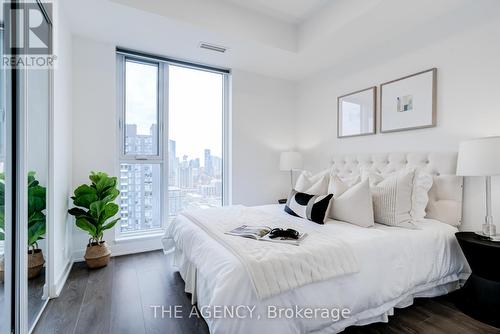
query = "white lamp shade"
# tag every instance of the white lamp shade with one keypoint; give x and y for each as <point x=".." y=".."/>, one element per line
<point x="290" y="161"/>
<point x="479" y="157"/>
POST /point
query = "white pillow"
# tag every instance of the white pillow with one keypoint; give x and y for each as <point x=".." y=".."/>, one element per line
<point x="392" y="197"/>
<point x="335" y="187"/>
<point x="420" y="197"/>
<point x="313" y="184"/>
<point x="420" y="194"/>
<point x="351" y="204"/>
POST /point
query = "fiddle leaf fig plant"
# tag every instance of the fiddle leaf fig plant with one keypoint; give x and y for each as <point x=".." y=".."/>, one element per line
<point x="36" y="206"/>
<point x="94" y="206"/>
<point x="37" y="202"/>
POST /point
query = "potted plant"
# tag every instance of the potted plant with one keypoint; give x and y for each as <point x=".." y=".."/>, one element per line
<point x="36" y="223"/>
<point x="93" y="208"/>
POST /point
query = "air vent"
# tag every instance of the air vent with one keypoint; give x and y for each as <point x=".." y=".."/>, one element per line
<point x="213" y="47"/>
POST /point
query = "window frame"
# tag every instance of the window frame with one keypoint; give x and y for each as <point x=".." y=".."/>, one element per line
<point x="160" y="113"/>
<point x="161" y="158"/>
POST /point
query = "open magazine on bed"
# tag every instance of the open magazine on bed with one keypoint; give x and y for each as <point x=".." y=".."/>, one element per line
<point x="261" y="233"/>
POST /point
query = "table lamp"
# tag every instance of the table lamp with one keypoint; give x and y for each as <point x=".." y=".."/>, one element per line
<point x="481" y="157"/>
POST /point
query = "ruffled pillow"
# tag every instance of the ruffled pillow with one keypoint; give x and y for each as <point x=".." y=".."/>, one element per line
<point x="313" y="184"/>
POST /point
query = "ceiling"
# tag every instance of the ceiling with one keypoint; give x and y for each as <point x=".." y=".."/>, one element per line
<point x="340" y="36"/>
<point x="292" y="11"/>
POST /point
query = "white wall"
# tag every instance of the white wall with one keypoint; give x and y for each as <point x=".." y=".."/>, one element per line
<point x="468" y="85"/>
<point x="262" y="126"/>
<point x="62" y="148"/>
<point x="95" y="144"/>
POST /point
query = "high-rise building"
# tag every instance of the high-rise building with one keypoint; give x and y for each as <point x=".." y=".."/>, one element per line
<point x="216" y="166"/>
<point x="185" y="174"/>
<point x="208" y="163"/>
<point x="139" y="195"/>
<point x="173" y="164"/>
<point x="174" y="201"/>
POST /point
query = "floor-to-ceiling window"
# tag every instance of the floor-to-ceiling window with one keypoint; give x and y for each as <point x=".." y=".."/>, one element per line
<point x="195" y="123"/>
<point x="173" y="137"/>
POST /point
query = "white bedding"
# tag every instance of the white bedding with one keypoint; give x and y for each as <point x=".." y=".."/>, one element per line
<point x="276" y="268"/>
<point x="395" y="264"/>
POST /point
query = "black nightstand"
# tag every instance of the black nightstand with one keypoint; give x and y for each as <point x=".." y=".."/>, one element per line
<point x="480" y="296"/>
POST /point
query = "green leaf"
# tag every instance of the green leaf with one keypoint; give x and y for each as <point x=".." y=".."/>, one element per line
<point x="77" y="212"/>
<point x="35" y="218"/>
<point x="36" y="232"/>
<point x="84" y="196"/>
<point x="2" y="217"/>
<point x="110" y="225"/>
<point x="31" y="179"/>
<point x="109" y="211"/>
<point x="97" y="209"/>
<point x="86" y="226"/>
<point x="36" y="199"/>
<point x="2" y="236"/>
<point x="110" y="195"/>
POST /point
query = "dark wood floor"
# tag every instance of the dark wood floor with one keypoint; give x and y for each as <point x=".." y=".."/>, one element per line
<point x="35" y="294"/>
<point x="35" y="301"/>
<point x="118" y="299"/>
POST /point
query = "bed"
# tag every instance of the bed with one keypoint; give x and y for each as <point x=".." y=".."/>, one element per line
<point x="395" y="264"/>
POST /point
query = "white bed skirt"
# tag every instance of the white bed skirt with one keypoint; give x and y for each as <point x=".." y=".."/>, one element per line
<point x="381" y="313"/>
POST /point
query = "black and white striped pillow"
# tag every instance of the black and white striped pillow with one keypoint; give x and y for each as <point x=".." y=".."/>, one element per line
<point x="310" y="207"/>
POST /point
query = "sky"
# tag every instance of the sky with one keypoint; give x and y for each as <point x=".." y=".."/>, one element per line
<point x="195" y="106"/>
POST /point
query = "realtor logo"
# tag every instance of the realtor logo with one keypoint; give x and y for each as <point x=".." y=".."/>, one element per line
<point x="28" y="34"/>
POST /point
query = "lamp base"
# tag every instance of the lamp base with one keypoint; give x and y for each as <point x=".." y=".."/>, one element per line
<point x="489" y="230"/>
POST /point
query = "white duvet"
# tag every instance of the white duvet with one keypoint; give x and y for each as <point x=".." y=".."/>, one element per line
<point x="276" y="268"/>
<point x="395" y="265"/>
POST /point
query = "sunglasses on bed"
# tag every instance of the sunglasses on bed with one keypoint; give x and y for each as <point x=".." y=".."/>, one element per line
<point x="281" y="233"/>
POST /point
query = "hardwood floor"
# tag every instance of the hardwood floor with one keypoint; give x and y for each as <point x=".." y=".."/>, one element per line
<point x="35" y="300"/>
<point x="118" y="299"/>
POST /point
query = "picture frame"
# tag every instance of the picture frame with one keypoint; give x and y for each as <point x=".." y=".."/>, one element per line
<point x="356" y="113"/>
<point x="409" y="103"/>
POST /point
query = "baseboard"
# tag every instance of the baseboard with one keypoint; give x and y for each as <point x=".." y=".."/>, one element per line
<point x="61" y="281"/>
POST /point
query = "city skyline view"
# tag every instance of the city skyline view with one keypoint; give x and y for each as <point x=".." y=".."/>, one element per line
<point x="193" y="182"/>
<point x="189" y="119"/>
<point x="193" y="152"/>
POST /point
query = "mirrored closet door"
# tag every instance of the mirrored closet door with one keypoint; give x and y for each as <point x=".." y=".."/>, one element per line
<point x="5" y="184"/>
<point x="38" y="104"/>
<point x="25" y="114"/>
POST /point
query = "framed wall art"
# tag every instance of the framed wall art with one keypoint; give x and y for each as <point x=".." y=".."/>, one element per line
<point x="409" y="102"/>
<point x="356" y="113"/>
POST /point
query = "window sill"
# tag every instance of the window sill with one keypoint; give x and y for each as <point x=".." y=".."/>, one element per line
<point x="138" y="237"/>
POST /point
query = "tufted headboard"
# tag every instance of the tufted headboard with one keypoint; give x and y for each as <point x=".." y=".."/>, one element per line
<point x="445" y="196"/>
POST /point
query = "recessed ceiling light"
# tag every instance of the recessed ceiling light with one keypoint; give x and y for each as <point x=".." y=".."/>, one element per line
<point x="213" y="47"/>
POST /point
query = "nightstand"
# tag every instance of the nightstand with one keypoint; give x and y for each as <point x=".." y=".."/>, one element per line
<point x="480" y="296"/>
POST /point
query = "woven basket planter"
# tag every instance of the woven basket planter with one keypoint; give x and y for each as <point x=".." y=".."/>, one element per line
<point x="35" y="263"/>
<point x="2" y="269"/>
<point x="97" y="255"/>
